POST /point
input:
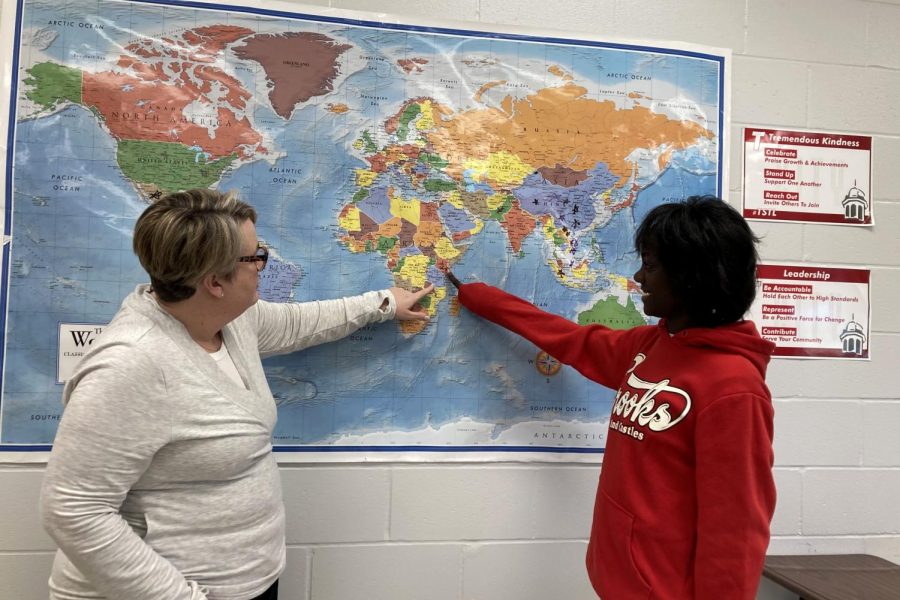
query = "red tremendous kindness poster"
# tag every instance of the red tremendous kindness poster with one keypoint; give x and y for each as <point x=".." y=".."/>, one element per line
<point x="807" y="177"/>
<point x="814" y="311"/>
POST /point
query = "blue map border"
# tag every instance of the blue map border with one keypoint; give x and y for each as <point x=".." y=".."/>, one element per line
<point x="7" y="212"/>
<point x="720" y="60"/>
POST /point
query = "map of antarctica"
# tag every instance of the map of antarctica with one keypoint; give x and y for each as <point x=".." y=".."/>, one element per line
<point x="376" y="155"/>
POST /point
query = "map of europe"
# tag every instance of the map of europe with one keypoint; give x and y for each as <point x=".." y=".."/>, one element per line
<point x="376" y="156"/>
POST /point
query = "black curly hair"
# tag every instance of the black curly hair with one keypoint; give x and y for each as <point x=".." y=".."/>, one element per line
<point x="708" y="253"/>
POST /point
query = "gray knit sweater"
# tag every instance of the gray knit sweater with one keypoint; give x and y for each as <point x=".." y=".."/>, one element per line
<point x="161" y="484"/>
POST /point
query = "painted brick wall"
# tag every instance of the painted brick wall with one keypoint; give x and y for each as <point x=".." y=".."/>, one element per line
<point x="517" y="532"/>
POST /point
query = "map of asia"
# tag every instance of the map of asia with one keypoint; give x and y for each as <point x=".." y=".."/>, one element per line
<point x="377" y="154"/>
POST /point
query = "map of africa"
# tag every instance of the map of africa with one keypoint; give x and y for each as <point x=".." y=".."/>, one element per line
<point x="376" y="156"/>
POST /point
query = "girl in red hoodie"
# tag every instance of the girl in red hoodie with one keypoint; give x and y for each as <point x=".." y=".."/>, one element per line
<point x="686" y="491"/>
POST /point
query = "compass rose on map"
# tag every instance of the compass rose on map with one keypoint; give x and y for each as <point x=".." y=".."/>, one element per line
<point x="546" y="364"/>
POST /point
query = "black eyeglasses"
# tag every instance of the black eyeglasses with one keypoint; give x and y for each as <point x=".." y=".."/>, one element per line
<point x="260" y="258"/>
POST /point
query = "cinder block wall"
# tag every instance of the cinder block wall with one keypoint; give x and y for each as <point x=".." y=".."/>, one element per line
<point x="517" y="532"/>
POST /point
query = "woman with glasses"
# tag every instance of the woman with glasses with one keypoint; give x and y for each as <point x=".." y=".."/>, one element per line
<point x="162" y="483"/>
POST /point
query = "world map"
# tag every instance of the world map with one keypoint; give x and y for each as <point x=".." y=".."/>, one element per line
<point x="376" y="155"/>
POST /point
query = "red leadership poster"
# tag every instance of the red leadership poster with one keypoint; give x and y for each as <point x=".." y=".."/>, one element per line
<point x="814" y="311"/>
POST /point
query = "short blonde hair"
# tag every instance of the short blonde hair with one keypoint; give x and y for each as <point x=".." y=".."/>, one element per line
<point x="184" y="236"/>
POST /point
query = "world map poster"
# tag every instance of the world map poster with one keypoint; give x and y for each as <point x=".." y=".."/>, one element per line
<point x="378" y="153"/>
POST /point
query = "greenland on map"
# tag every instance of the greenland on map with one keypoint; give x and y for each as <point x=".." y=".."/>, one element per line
<point x="377" y="154"/>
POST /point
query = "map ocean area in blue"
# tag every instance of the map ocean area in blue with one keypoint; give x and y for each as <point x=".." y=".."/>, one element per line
<point x="369" y="148"/>
<point x="71" y="259"/>
<point x="436" y="377"/>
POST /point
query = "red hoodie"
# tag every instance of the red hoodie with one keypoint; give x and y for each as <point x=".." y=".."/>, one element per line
<point x="686" y="491"/>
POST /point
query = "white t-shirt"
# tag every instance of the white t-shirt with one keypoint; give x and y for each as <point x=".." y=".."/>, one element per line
<point x="226" y="363"/>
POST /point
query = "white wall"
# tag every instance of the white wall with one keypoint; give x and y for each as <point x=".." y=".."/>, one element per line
<point x="518" y="532"/>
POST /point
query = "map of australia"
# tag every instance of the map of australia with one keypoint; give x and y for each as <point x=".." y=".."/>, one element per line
<point x="375" y="157"/>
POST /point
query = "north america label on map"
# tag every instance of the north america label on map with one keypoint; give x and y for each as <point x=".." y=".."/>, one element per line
<point x="521" y="164"/>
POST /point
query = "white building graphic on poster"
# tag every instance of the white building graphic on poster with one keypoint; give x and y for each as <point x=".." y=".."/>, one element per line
<point x="853" y="338"/>
<point x="855" y="205"/>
